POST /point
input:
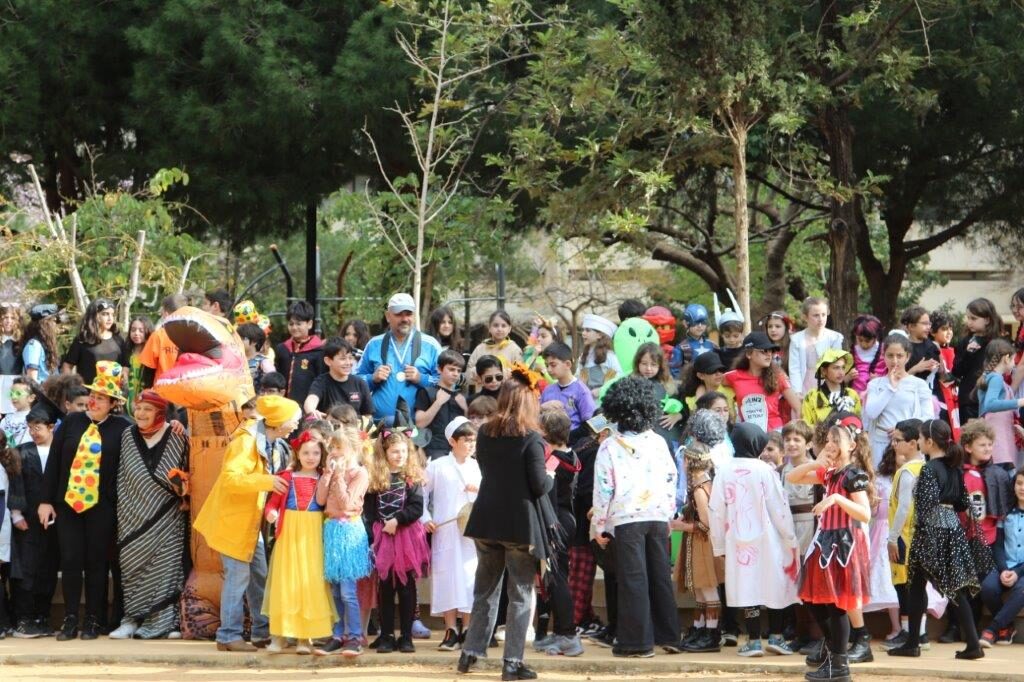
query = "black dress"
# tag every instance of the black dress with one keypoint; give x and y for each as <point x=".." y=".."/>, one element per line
<point x="951" y="558"/>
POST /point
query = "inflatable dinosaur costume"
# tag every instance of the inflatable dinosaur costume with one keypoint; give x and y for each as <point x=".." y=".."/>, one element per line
<point x="211" y="380"/>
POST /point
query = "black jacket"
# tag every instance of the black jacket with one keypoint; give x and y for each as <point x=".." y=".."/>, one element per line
<point x="29" y="546"/>
<point x="62" y="454"/>
<point x="513" y="480"/>
<point x="410" y="513"/>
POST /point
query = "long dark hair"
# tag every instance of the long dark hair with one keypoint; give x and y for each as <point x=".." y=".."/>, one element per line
<point x="453" y="340"/>
<point x="982" y="307"/>
<point x="939" y="433"/>
<point x="89" y="329"/>
<point x="362" y="332"/>
<point x="46" y="331"/>
<point x="147" y="328"/>
<point x="769" y="375"/>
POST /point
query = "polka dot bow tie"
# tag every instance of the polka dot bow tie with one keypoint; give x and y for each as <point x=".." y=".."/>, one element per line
<point x="84" y="481"/>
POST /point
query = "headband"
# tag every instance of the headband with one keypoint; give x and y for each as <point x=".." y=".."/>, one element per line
<point x="852" y="424"/>
<point x="304" y="437"/>
<point x="386" y="433"/>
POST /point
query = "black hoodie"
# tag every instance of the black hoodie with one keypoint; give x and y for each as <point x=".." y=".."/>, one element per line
<point x="749" y="440"/>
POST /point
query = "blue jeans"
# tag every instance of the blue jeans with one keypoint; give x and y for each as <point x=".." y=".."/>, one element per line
<point x="992" y="591"/>
<point x="243" y="581"/>
<point x="346" y="602"/>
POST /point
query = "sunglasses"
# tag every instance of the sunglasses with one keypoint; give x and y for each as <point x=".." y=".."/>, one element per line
<point x="492" y="378"/>
<point x="103" y="304"/>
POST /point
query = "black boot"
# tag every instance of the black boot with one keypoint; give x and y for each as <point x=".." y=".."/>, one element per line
<point x="835" y="668"/>
<point x="709" y="641"/>
<point x="516" y="670"/>
<point x="906" y="649"/>
<point x="971" y="654"/>
<point x="386" y="645"/>
<point x="692" y="635"/>
<point x="817" y="657"/>
<point x="860" y="651"/>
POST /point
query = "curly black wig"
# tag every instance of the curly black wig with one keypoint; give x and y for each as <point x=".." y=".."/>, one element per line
<point x="631" y="404"/>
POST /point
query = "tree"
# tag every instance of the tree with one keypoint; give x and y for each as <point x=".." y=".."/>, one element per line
<point x="456" y="50"/>
<point x="732" y="63"/>
<point x="613" y="145"/>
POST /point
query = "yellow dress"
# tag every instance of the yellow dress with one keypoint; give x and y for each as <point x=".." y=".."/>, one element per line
<point x="899" y="570"/>
<point x="297" y="599"/>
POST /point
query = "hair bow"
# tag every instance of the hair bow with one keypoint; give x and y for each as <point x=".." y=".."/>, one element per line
<point x="303" y="437"/>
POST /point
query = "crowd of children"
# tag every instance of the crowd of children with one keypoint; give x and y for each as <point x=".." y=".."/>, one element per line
<point x="813" y="476"/>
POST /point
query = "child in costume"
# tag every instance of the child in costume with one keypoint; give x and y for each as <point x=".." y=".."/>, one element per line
<point x="598" y="363"/>
<point x="808" y="345"/>
<point x="836" y="572"/>
<point x="696" y="341"/>
<point x="894" y="397"/>
<point x="300" y="359"/>
<point x="996" y="404"/>
<point x="14" y="425"/>
<point x="697" y="569"/>
<point x="346" y="547"/>
<point x="452" y="483"/>
<point x="942" y="552"/>
<point x="831" y="394"/>
<point x="298" y="602"/>
<point x="702" y="376"/>
<point x="1004" y="579"/>
<point x="498" y="344"/>
<point x="752" y="528"/>
<point x="730" y="332"/>
<point x="867" y="352"/>
<point x="393" y="507"/>
<point x="759" y="385"/>
<point x="909" y="460"/>
<point x="664" y="323"/>
<point x="544" y="333"/>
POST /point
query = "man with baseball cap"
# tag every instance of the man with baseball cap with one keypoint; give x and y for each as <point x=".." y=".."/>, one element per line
<point x="398" y="362"/>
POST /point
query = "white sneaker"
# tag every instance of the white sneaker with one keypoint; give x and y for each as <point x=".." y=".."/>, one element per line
<point x="125" y="631"/>
<point x="530" y="634"/>
<point x="174" y="634"/>
<point x="304" y="647"/>
<point x="499" y="634"/>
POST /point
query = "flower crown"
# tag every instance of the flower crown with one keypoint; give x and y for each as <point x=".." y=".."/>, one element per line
<point x="526" y="376"/>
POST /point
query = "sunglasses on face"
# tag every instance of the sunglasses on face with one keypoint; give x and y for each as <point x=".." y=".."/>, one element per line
<point x="492" y="378"/>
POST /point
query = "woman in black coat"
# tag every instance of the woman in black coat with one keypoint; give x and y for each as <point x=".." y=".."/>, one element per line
<point x="508" y="523"/>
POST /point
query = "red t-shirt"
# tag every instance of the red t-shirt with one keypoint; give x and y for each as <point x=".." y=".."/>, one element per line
<point x="974" y="481"/>
<point x="752" y="403"/>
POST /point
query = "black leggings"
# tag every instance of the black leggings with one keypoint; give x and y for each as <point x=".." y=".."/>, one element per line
<point x="406" y="593"/>
<point x="559" y="598"/>
<point x="85" y="541"/>
<point x="835" y="624"/>
<point x="917" y="602"/>
<point x="752" y="617"/>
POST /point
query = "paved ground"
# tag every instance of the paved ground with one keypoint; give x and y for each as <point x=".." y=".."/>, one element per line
<point x="46" y="660"/>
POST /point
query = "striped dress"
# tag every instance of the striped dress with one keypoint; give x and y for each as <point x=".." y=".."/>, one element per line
<point x="152" y="532"/>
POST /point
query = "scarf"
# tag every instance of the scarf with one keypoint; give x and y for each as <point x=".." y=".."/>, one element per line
<point x="160" y="404"/>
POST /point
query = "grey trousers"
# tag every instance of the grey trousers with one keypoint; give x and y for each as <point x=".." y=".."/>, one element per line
<point x="492" y="560"/>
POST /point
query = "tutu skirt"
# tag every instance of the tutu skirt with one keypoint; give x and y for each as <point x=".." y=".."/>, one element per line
<point x="297" y="599"/>
<point x="346" y="550"/>
<point x="847" y="587"/>
<point x="404" y="553"/>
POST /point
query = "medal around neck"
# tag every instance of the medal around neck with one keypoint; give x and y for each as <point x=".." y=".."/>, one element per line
<point x="401" y="377"/>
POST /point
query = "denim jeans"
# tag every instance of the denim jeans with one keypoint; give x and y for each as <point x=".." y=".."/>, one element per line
<point x="992" y="592"/>
<point x="492" y="560"/>
<point x="647" y="611"/>
<point x="243" y="581"/>
<point x="346" y="603"/>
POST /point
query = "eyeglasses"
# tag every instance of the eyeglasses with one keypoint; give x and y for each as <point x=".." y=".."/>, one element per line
<point x="493" y="378"/>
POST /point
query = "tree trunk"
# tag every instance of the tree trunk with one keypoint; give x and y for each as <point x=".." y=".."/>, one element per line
<point x="884" y="291"/>
<point x="739" y="171"/>
<point x="426" y="296"/>
<point x="775" y="272"/>
<point x="843" y="280"/>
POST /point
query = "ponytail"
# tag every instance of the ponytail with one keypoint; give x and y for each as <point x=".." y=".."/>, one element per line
<point x="939" y="433"/>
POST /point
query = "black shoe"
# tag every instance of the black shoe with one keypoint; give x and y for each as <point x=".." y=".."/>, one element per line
<point x="817" y="657"/>
<point x="709" y="641"/>
<point x="730" y="638"/>
<point x="605" y="638"/>
<point x="69" y="630"/>
<point x="405" y="645"/>
<point x="372" y="628"/>
<point x="952" y="634"/>
<point x="632" y="653"/>
<point x="860" y="652"/>
<point x="43" y="627"/>
<point x="971" y="654"/>
<point x="386" y="644"/>
<point x="90" y="628"/>
<point x="516" y="670"/>
<point x="833" y="669"/>
<point x="26" y="629"/>
<point x="906" y="650"/>
<point x="375" y="643"/>
<point x="466" y="662"/>
<point x="693" y="634"/>
<point x="450" y="641"/>
<point x="329" y="648"/>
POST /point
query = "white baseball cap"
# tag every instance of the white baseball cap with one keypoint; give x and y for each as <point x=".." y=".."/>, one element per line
<point x="401" y="303"/>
